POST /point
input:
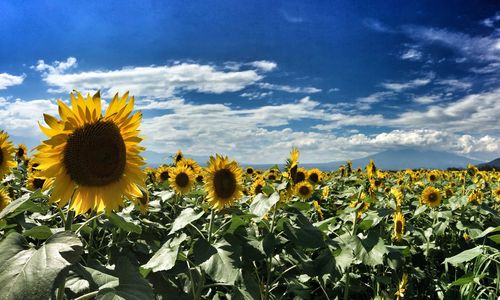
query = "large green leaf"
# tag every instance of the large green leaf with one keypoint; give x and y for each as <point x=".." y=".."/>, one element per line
<point x="28" y="273"/>
<point x="121" y="223"/>
<point x="186" y="217"/>
<point x="261" y="204"/>
<point x="165" y="258"/>
<point x="20" y="205"/>
<point x="301" y="232"/>
<point x="464" y="256"/>
<point x="129" y="284"/>
<point x="223" y="265"/>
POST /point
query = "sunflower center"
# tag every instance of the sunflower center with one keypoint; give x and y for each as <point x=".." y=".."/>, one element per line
<point x="258" y="189"/>
<point x="20" y="152"/>
<point x="432" y="197"/>
<point x="271" y="177"/>
<point x="432" y="177"/>
<point x="304" y="190"/>
<point x="38" y="183"/>
<point x="249" y="171"/>
<point x="164" y="176"/>
<point x="95" y="155"/>
<point x="182" y="180"/>
<point x="314" y="177"/>
<point x="224" y="183"/>
<point x="199" y="178"/>
<point x="399" y="226"/>
<point x="300" y="177"/>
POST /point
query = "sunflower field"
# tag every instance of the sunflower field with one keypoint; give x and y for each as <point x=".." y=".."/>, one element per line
<point x="84" y="218"/>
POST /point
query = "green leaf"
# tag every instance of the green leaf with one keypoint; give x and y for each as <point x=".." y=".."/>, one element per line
<point x="420" y="210"/>
<point x="486" y="232"/>
<point x="129" y="285"/>
<point x="464" y="256"/>
<point x="267" y="190"/>
<point x="301" y="232"/>
<point x="495" y="238"/>
<point x="165" y="258"/>
<point x="121" y="223"/>
<point x="28" y="273"/>
<point x="466" y="279"/>
<point x="42" y="232"/>
<point x="202" y="251"/>
<point x="262" y="204"/>
<point x="223" y="265"/>
<point x="20" y="205"/>
<point x="186" y="217"/>
<point x="370" y="250"/>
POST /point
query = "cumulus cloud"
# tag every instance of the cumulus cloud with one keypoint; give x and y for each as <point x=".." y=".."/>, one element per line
<point x="20" y="117"/>
<point x="264" y="65"/>
<point x="7" y="80"/>
<point x="152" y="81"/>
<point x="56" y="67"/>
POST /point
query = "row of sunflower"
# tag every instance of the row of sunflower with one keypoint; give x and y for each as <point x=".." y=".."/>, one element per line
<point x="85" y="218"/>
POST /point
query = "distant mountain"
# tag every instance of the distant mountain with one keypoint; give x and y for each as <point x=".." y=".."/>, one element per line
<point x="494" y="164"/>
<point x="387" y="160"/>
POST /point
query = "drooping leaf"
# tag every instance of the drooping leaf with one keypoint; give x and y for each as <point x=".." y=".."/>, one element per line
<point x="165" y="258"/>
<point x="121" y="223"/>
<point x="29" y="273"/>
<point x="186" y="217"/>
<point x="223" y="265"/>
<point x="464" y="256"/>
<point x="261" y="204"/>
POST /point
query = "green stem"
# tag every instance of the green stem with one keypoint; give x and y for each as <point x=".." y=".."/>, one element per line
<point x="353" y="233"/>
<point x="270" y="258"/>
<point x="60" y="290"/>
<point x="88" y="221"/>
<point x="211" y="225"/>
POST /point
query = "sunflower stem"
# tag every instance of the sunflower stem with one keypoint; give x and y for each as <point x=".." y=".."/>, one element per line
<point x="270" y="258"/>
<point x="69" y="220"/>
<point x="88" y="221"/>
<point x="210" y="225"/>
<point x="60" y="290"/>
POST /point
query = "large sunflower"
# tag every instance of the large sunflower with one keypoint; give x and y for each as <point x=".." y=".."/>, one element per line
<point x="95" y="158"/>
<point x="257" y="186"/>
<point x="4" y="198"/>
<point x="431" y="196"/>
<point x="6" y="152"/>
<point x="222" y="182"/>
<point x="315" y="176"/>
<point x="182" y="179"/>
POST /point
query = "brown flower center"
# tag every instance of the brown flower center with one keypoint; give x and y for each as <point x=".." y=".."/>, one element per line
<point x="182" y="180"/>
<point x="304" y="190"/>
<point x="224" y="183"/>
<point x="38" y="183"/>
<point x="399" y="226"/>
<point x="95" y="154"/>
<point x="314" y="177"/>
<point x="433" y="197"/>
<point x="301" y="176"/>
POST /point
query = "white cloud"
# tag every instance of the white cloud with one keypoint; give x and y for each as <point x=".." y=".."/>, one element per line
<point x="289" y="89"/>
<point x="264" y="65"/>
<point x="455" y="84"/>
<point x="490" y="22"/>
<point x="153" y="81"/>
<point x="20" y="117"/>
<point x="365" y="103"/>
<point x="401" y="86"/>
<point x="56" y="67"/>
<point x="412" y="54"/>
<point x="426" y="99"/>
<point x="256" y="95"/>
<point x="7" y="80"/>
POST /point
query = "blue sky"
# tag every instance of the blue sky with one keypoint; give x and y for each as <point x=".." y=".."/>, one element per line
<point x="251" y="79"/>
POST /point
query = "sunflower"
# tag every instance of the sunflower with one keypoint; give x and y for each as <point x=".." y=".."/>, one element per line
<point x="162" y="174"/>
<point x="21" y="152"/>
<point x="222" y="182"/>
<point x="257" y="186"/>
<point x="476" y="197"/>
<point x="6" y="152"/>
<point x="181" y="179"/>
<point x="317" y="207"/>
<point x="300" y="175"/>
<point x="293" y="163"/>
<point x="36" y="182"/>
<point x="249" y="171"/>
<point x="4" y="198"/>
<point x="326" y="192"/>
<point x="400" y="293"/>
<point x="94" y="159"/>
<point x="496" y="192"/>
<point x="143" y="200"/>
<point x="304" y="190"/>
<point x="433" y="176"/>
<point x="431" y="196"/>
<point x="399" y="226"/>
<point x="271" y="175"/>
<point x="315" y="176"/>
<point x="398" y="195"/>
<point x="178" y="156"/>
<point x="191" y="164"/>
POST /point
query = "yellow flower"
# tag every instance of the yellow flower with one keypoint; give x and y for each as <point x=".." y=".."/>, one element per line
<point x="466" y="236"/>
<point x="93" y="157"/>
<point x="398" y="195"/>
<point x="249" y="171"/>
<point x="433" y="175"/>
<point x="191" y="164"/>
<point x="222" y="182"/>
<point x="178" y="156"/>
<point x="476" y="197"/>
<point x="315" y="176"/>
<point x="496" y="192"/>
<point x="21" y="152"/>
<point x="35" y="182"/>
<point x="317" y="207"/>
<point x="431" y="196"/>
<point x="181" y="179"/>
<point x="304" y="190"/>
<point x="6" y="151"/>
<point x="400" y="293"/>
<point x="326" y="192"/>
<point x="257" y="186"/>
<point x="162" y="174"/>
<point x="300" y="175"/>
<point x="399" y="226"/>
<point x="4" y="198"/>
<point x="143" y="200"/>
